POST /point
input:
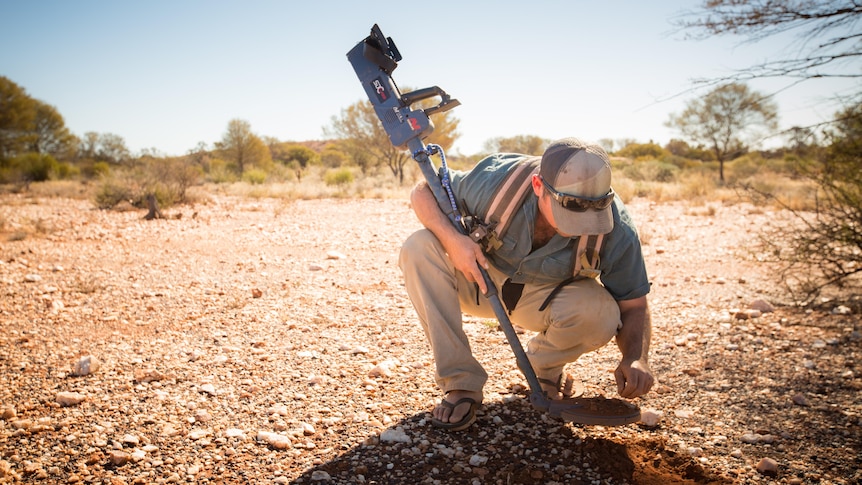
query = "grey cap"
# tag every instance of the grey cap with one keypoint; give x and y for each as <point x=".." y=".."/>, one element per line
<point x="581" y="169"/>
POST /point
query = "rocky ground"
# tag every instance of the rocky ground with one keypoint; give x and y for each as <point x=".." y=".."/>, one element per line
<point x="264" y="341"/>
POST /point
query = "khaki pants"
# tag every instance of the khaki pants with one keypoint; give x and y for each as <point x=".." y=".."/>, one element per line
<point x="582" y="317"/>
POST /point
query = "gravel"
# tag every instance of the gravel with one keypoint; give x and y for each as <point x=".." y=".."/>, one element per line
<point x="264" y="341"/>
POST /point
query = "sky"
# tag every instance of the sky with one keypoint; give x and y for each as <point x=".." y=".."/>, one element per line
<point x="167" y="75"/>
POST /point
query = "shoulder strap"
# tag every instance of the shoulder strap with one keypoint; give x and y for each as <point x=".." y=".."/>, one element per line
<point x="509" y="196"/>
<point x="587" y="256"/>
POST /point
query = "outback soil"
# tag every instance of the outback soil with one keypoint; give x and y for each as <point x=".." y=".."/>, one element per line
<point x="264" y="341"/>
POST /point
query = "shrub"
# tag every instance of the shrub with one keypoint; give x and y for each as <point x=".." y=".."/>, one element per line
<point x="112" y="192"/>
<point x="35" y="167"/>
<point x="643" y="151"/>
<point x="342" y="176"/>
<point x="254" y="176"/>
<point x="653" y="171"/>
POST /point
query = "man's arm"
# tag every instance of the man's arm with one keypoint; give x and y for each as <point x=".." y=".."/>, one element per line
<point x="634" y="376"/>
<point x="465" y="254"/>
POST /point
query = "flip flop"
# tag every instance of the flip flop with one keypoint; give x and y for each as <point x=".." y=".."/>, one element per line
<point x="569" y="389"/>
<point x="464" y="422"/>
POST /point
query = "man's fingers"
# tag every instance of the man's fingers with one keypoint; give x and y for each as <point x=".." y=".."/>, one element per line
<point x="621" y="381"/>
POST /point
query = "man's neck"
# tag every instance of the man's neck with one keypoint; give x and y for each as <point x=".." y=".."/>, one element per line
<point x="543" y="231"/>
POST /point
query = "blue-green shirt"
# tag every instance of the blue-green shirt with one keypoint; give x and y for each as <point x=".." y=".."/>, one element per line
<point x="621" y="263"/>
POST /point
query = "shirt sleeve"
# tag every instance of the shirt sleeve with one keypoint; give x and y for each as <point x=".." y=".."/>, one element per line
<point x="623" y="268"/>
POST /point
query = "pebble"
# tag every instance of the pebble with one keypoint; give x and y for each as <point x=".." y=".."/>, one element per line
<point x="66" y="399"/>
<point x="762" y="306"/>
<point x="118" y="457"/>
<point x="320" y="476"/>
<point x="396" y="435"/>
<point x="277" y="441"/>
<point x="800" y="400"/>
<point x="8" y="413"/>
<point x="478" y="460"/>
<point x="651" y="417"/>
<point x="767" y="466"/>
<point x="85" y="366"/>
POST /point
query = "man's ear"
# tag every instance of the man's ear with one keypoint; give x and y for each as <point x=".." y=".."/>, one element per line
<point x="538" y="187"/>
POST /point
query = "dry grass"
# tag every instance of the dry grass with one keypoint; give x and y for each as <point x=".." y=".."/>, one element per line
<point x="697" y="187"/>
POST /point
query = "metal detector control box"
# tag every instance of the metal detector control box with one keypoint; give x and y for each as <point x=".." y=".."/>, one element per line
<point x="374" y="59"/>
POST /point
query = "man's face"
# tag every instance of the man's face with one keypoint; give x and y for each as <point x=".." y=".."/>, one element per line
<point x="545" y="201"/>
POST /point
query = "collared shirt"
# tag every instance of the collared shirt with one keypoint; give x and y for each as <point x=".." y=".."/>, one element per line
<point x="623" y="271"/>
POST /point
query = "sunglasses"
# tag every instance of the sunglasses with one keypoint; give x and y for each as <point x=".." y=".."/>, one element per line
<point x="580" y="204"/>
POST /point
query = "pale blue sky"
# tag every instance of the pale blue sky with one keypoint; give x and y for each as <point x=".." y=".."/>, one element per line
<point x="170" y="74"/>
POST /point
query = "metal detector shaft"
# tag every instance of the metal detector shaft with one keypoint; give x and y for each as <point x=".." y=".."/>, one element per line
<point x="537" y="398"/>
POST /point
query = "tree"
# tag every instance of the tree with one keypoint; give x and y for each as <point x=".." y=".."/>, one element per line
<point x="726" y="120"/>
<point x="369" y="144"/>
<point x="526" y="144"/>
<point x="17" y="115"/>
<point x="827" y="249"/>
<point x="50" y="135"/>
<point x="826" y="30"/>
<point x="242" y="147"/>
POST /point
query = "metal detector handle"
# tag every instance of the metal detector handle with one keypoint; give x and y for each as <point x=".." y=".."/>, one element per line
<point x="537" y="398"/>
<point x="446" y="102"/>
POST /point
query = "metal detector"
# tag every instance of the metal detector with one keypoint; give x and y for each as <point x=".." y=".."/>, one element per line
<point x="374" y="58"/>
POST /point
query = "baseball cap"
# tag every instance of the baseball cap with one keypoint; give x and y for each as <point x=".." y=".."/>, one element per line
<point x="578" y="176"/>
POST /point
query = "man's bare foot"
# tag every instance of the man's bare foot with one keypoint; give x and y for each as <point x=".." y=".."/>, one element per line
<point x="455" y="414"/>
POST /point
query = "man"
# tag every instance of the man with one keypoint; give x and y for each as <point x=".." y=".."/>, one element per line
<point x="569" y="199"/>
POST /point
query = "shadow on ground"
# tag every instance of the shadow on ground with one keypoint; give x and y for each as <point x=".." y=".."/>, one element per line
<point x="508" y="445"/>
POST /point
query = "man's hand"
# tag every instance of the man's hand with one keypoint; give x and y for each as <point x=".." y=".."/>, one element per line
<point x="466" y="255"/>
<point x="633" y="379"/>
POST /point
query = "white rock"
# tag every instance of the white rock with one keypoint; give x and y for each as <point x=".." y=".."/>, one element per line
<point x="478" y="460"/>
<point x="650" y="417"/>
<point x="335" y="255"/>
<point x="842" y="310"/>
<point x="383" y="369"/>
<point x="86" y="365"/>
<point x="277" y="441"/>
<point x="208" y="389"/>
<point x="750" y="438"/>
<point x="683" y="413"/>
<point x="32" y="278"/>
<point x="70" y="398"/>
<point x="396" y="435"/>
<point x="320" y="476"/>
<point x="197" y="434"/>
<point x="234" y="433"/>
<point x="130" y="439"/>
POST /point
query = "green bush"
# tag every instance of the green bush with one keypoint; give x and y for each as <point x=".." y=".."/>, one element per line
<point x="101" y="169"/>
<point x="254" y="176"/>
<point x="643" y="151"/>
<point x="34" y="167"/>
<point x="651" y="171"/>
<point x="342" y="176"/>
<point x="112" y="192"/>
